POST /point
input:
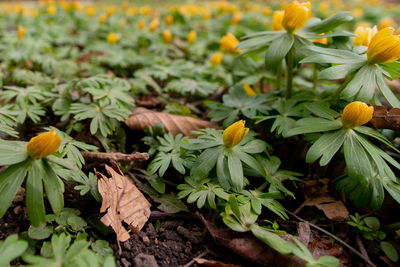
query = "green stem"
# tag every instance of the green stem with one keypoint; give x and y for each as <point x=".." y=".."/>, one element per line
<point x="315" y="77"/>
<point x="289" y="83"/>
<point x="336" y="94"/>
<point x="279" y="76"/>
<point x="261" y="187"/>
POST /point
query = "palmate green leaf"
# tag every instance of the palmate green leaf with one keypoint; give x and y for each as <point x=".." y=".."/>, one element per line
<point x="385" y="90"/>
<point x="321" y="110"/>
<point x="12" y="152"/>
<point x="10" y="181"/>
<point x="362" y="84"/>
<point x="191" y="87"/>
<point x="205" y="162"/>
<point x="271" y="239"/>
<point x="160" y="163"/>
<point x="316" y="54"/>
<point x="330" y="23"/>
<point x="54" y="188"/>
<point x="235" y="170"/>
<point x="278" y="50"/>
<point x="314" y="125"/>
<point x="11" y="248"/>
<point x="34" y="193"/>
<point x="339" y="71"/>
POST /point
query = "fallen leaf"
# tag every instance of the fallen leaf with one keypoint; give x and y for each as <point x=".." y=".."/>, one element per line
<point x="249" y="247"/>
<point x="141" y="117"/>
<point x="212" y="263"/>
<point x="123" y="202"/>
<point x="304" y="233"/>
<point x="386" y="119"/>
<point x="86" y="57"/>
<point x="332" y="208"/>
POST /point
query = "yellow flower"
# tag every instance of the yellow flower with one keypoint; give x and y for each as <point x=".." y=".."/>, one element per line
<point x="296" y="16"/>
<point x="110" y="11"/>
<point x="167" y="36"/>
<point x="112" y="38"/>
<point x="365" y="35"/>
<point x="358" y="12"/>
<point x="154" y="25"/>
<point x="323" y="7"/>
<point x="191" y="37"/>
<point x="356" y="113"/>
<point x="277" y="18"/>
<point x="102" y="18"/>
<point x="229" y="42"/>
<point x="235" y="133"/>
<point x="384" y="47"/>
<point x="52" y="10"/>
<point x="43" y="144"/>
<point x="237" y="17"/>
<point x="90" y="11"/>
<point x="267" y="11"/>
<point x="35" y="13"/>
<point x="141" y="24"/>
<point x="386" y="22"/>
<point x="207" y="16"/>
<point x="20" y="32"/>
<point x="249" y="91"/>
<point x="19" y="9"/>
<point x="216" y="59"/>
<point x="169" y="20"/>
<point x="397" y="32"/>
<point x="323" y="41"/>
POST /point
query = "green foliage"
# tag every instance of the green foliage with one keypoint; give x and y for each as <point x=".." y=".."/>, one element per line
<point x="11" y="248"/>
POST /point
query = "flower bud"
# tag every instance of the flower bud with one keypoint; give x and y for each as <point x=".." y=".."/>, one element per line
<point x="216" y="59"/>
<point x="167" y="36"/>
<point x="43" y="145"/>
<point x="386" y="22"/>
<point x="169" y="20"/>
<point x="154" y="25"/>
<point x="90" y="11"/>
<point x="229" y="43"/>
<point x="102" y="18"/>
<point x="112" y="38"/>
<point x="141" y="24"/>
<point x="20" y="32"/>
<point x="365" y="35"/>
<point x="235" y="133"/>
<point x="191" y="37"/>
<point x="356" y="113"/>
<point x="249" y="91"/>
<point x="277" y="18"/>
<point x="52" y="10"/>
<point x="296" y="16"/>
<point x="384" y="47"/>
<point x="237" y="17"/>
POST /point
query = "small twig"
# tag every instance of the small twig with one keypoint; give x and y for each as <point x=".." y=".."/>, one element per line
<point x="114" y="157"/>
<point x="367" y="260"/>
<point x="361" y="246"/>
<point x="157" y="215"/>
<point x="193" y="260"/>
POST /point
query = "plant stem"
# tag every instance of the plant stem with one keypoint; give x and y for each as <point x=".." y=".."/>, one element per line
<point x="279" y="76"/>
<point x="315" y="77"/>
<point x="289" y="83"/>
<point x="261" y="187"/>
<point x="341" y="87"/>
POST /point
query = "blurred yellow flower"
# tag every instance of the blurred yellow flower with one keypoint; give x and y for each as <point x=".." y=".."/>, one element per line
<point x="237" y="17"/>
<point x="216" y="59"/>
<point x="365" y="35"/>
<point x="229" y="42"/>
<point x="207" y="16"/>
<point x="90" y="11"/>
<point x="112" y="38"/>
<point x="296" y="16"/>
<point x="167" y="36"/>
<point x="43" y="144"/>
<point x="169" y="20"/>
<point x="267" y="11"/>
<point x="235" y="133"/>
<point x="191" y="37"/>
<point x="384" y="47"/>
<point x="102" y="18"/>
<point x="356" y="114"/>
<point x="249" y="91"/>
<point x="110" y="11"/>
<point x="141" y="24"/>
<point x="20" y="32"/>
<point x="154" y="25"/>
<point x="386" y="22"/>
<point x="52" y="10"/>
<point x="19" y="9"/>
<point x="323" y="41"/>
<point x="323" y="7"/>
<point x="277" y="18"/>
<point x="358" y="12"/>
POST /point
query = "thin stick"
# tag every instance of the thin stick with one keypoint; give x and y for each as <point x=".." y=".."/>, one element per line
<point x="114" y="157"/>
<point x="367" y="260"/>
<point x="361" y="246"/>
<point x="193" y="260"/>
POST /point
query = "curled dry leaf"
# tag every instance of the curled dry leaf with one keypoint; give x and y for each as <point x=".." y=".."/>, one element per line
<point x="123" y="202"/>
<point x="174" y="124"/>
<point x="332" y="208"/>
<point x="386" y="119"/>
<point x="212" y="263"/>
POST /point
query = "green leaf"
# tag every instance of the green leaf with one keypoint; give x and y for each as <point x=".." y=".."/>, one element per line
<point x="40" y="232"/>
<point x="389" y="251"/>
<point x="235" y="171"/>
<point x="54" y="188"/>
<point x="34" y="193"/>
<point x="387" y="93"/>
<point x="271" y="239"/>
<point x="205" y="162"/>
<point x="332" y="22"/>
<point x="278" y="50"/>
<point x="314" y="125"/>
<point x="11" y="248"/>
<point x="372" y="222"/>
<point x="12" y="152"/>
<point x="339" y="71"/>
<point x="254" y="147"/>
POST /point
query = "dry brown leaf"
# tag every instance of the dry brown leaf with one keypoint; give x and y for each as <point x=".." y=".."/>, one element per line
<point x="212" y="263"/>
<point x="141" y="117"/>
<point x="332" y="208"/>
<point x="123" y="202"/>
<point x="384" y="119"/>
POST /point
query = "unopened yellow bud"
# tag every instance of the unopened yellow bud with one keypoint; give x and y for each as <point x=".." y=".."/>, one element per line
<point x="323" y="7"/>
<point x="19" y="9"/>
<point x="112" y="38"/>
<point x="235" y="133"/>
<point x="229" y="42"/>
<point x="102" y="18"/>
<point x="154" y="25"/>
<point x="249" y="91"/>
<point x="207" y="16"/>
<point x="191" y="37"/>
<point x="267" y="11"/>
<point x="167" y="36"/>
<point x="296" y="16"/>
<point x="20" y="32"/>
<point x="216" y="59"/>
<point x="358" y="12"/>
<point x="384" y="47"/>
<point x="356" y="113"/>
<point x="52" y="10"/>
<point x="365" y="35"/>
<point x="141" y="24"/>
<point x="43" y="145"/>
<point x="169" y="20"/>
<point x="277" y="18"/>
<point x="110" y="11"/>
<point x="90" y="11"/>
<point x="237" y="17"/>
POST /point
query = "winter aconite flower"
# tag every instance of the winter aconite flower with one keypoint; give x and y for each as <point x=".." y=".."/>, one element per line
<point x="356" y="113"/>
<point x="112" y="38"/>
<point x="167" y="36"/>
<point x="235" y="133"/>
<point x="169" y="20"/>
<point x="20" y="32"/>
<point x="249" y="91"/>
<point x="141" y="24"/>
<point x="384" y="47"/>
<point x="229" y="43"/>
<point x="154" y="25"/>
<point x="386" y="22"/>
<point x="90" y="11"/>
<point x="365" y="35"/>
<point x="237" y="17"/>
<point x="216" y="59"/>
<point x="191" y="37"/>
<point x="52" y="10"/>
<point x="277" y="18"/>
<point x="43" y="145"/>
<point x="296" y="15"/>
<point x="102" y="18"/>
